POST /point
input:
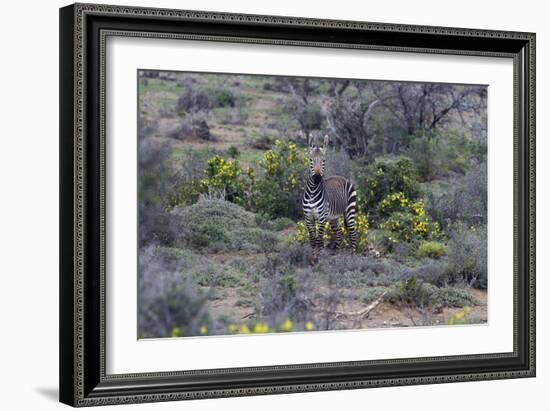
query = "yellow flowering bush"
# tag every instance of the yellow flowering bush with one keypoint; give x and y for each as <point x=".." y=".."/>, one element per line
<point x="460" y="317"/>
<point x="431" y="249"/>
<point x="227" y="175"/>
<point x="273" y="188"/>
<point x="395" y="200"/>
<point x="222" y="172"/>
<point x="277" y="190"/>
<point x="384" y="179"/>
<point x="285" y="163"/>
<point x="286" y="326"/>
<point x="301" y="234"/>
<point x="262" y="327"/>
<point x="176" y="332"/>
<point x="398" y="201"/>
<point x="362" y="227"/>
<point x="405" y="220"/>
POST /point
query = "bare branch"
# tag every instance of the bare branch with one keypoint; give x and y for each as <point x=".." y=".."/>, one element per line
<point x="362" y="313"/>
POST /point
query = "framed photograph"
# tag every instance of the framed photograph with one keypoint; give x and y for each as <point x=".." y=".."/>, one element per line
<point x="262" y="204"/>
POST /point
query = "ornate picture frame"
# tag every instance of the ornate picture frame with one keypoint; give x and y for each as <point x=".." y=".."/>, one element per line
<point x="84" y="30"/>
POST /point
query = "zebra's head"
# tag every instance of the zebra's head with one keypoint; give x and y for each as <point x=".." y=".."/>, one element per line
<point x="317" y="155"/>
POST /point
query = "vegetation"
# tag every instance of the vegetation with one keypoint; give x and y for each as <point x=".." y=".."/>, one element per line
<point x="223" y="248"/>
<point x="431" y="249"/>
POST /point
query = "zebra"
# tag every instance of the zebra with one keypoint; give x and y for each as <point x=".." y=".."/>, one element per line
<point x="326" y="199"/>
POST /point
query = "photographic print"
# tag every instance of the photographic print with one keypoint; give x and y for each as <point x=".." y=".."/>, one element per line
<point x="272" y="204"/>
<point x="240" y="194"/>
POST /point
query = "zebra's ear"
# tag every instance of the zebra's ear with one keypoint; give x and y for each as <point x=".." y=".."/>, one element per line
<point x="310" y="140"/>
<point x="325" y="142"/>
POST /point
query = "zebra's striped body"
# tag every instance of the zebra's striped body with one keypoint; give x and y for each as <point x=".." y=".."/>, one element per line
<point x="326" y="199"/>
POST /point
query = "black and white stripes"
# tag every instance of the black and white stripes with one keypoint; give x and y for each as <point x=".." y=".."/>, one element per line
<point x="327" y="199"/>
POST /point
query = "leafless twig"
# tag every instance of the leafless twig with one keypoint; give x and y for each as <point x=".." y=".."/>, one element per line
<point x="364" y="313"/>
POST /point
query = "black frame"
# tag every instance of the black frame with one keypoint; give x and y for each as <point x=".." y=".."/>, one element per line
<point x="83" y="30"/>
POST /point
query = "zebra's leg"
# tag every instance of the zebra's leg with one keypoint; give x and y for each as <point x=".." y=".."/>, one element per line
<point x="349" y="221"/>
<point x="335" y="228"/>
<point x="321" y="222"/>
<point x="310" y="224"/>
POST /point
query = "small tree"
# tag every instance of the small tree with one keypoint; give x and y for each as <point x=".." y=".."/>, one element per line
<point x="428" y="106"/>
<point x="348" y="118"/>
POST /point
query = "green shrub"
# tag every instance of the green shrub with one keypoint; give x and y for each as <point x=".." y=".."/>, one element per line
<point x="252" y="239"/>
<point x="354" y="278"/>
<point x="421" y="294"/>
<point x="410" y="291"/>
<point x="284" y="292"/>
<point x="453" y="297"/>
<point x="211" y="274"/>
<point x="223" y="97"/>
<point x="285" y="164"/>
<point x="439" y="153"/>
<point x="204" y="234"/>
<point x="268" y="198"/>
<point x="218" y="225"/>
<point x="425" y="151"/>
<point x="186" y="194"/>
<point x="277" y="224"/>
<point x="431" y="271"/>
<point x="357" y="271"/>
<point x="195" y="98"/>
<point x="431" y="249"/>
<point x="468" y="255"/>
<point x="153" y="190"/>
<point x="181" y="308"/>
<point x="277" y="191"/>
<point x="463" y="198"/>
<point x="220" y="212"/>
<point x="376" y="181"/>
<point x="297" y="254"/>
<point x="404" y="220"/>
<point x="168" y="298"/>
<point x="228" y="176"/>
<point x="171" y="259"/>
<point x="280" y="223"/>
<point x="188" y="166"/>
<point x="389" y="193"/>
<point x="233" y="152"/>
